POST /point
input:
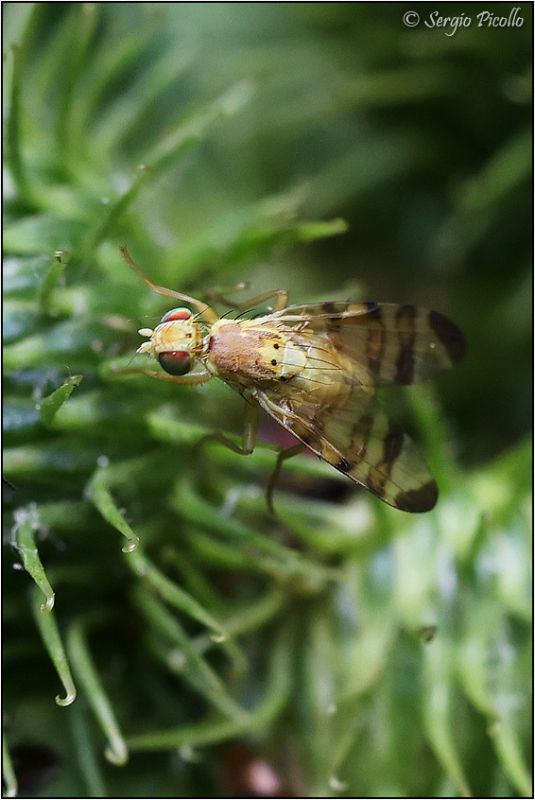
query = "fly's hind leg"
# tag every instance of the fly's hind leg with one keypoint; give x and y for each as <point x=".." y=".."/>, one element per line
<point x="247" y="447"/>
<point x="281" y="458"/>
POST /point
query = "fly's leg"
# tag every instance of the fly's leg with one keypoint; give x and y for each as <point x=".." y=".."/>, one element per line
<point x="280" y="295"/>
<point x="205" y="312"/>
<point x="192" y="378"/>
<point x="282" y="456"/>
<point x="219" y="295"/>
<point x="249" y="434"/>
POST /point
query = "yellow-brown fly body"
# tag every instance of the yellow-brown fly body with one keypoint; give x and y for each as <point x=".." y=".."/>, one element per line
<point x="315" y="369"/>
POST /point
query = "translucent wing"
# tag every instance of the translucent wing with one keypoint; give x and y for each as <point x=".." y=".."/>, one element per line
<point x="399" y="344"/>
<point x="359" y="440"/>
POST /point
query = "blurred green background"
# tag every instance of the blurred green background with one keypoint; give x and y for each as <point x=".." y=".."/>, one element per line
<point x="344" y="649"/>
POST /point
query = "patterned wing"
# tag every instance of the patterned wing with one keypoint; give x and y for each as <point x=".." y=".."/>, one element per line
<point x="361" y="442"/>
<point x="399" y="344"/>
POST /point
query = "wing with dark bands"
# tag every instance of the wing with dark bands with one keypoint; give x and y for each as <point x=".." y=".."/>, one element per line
<point x="399" y="344"/>
<point x="360" y="441"/>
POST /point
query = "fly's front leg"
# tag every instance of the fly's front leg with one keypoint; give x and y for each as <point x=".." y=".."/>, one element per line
<point x="249" y="434"/>
<point x="282" y="456"/>
<point x="205" y="312"/>
<point x="192" y="378"/>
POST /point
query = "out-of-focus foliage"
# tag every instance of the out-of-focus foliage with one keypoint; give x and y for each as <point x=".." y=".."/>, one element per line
<point x="344" y="649"/>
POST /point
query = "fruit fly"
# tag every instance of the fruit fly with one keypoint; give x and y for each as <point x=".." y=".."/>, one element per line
<point x="316" y="369"/>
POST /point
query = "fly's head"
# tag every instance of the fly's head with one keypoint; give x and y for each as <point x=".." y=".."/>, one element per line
<point x="175" y="342"/>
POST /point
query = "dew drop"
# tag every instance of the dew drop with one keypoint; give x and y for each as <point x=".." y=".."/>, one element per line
<point x="47" y="607"/>
<point x="103" y="461"/>
<point x="129" y="548"/>
<point x="336" y="785"/>
<point x="232" y="498"/>
<point x="117" y="753"/>
<point x="17" y="565"/>
<point x="177" y="659"/>
<point x="187" y="753"/>
<point x="218" y="638"/>
<point x="20" y="516"/>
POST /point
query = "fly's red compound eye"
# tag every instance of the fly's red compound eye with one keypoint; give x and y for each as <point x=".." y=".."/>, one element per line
<point x="176" y="313"/>
<point x="175" y="362"/>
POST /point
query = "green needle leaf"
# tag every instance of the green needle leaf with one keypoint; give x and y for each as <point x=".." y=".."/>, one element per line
<point x="8" y="773"/>
<point x="26" y="523"/>
<point x="50" y="405"/>
<point x="50" y="634"/>
<point x="117" y="751"/>
<point x="172" y="593"/>
<point x="51" y="280"/>
<point x="99" y="493"/>
<point x="277" y="688"/>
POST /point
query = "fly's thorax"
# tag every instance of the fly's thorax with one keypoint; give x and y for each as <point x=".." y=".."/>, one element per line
<point x="293" y="360"/>
<point x="253" y="352"/>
